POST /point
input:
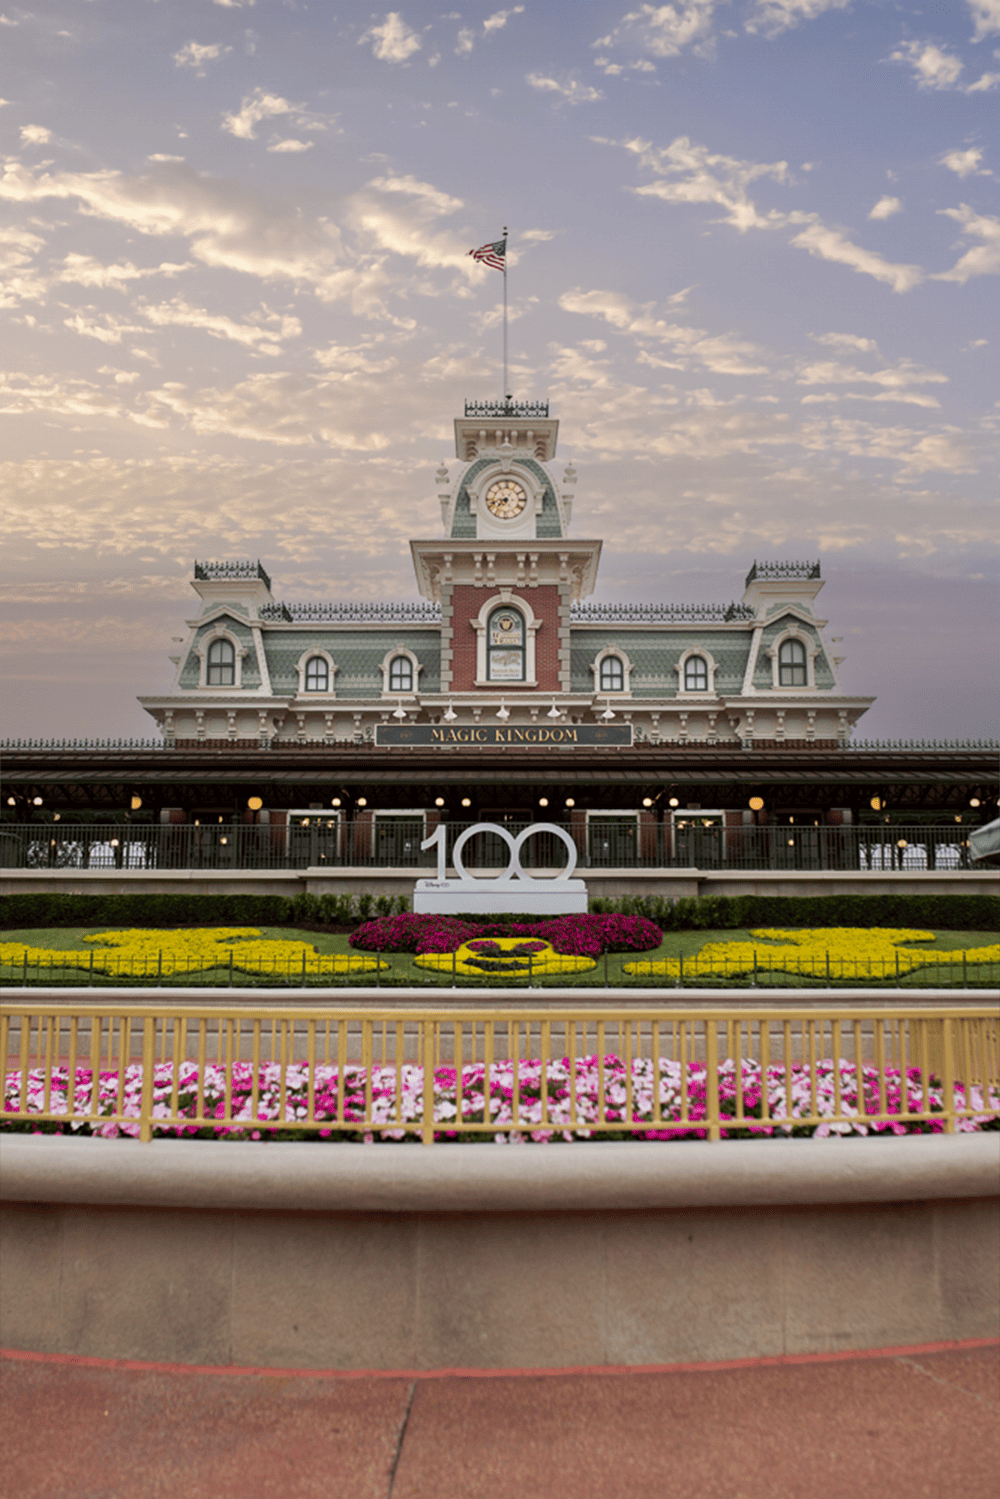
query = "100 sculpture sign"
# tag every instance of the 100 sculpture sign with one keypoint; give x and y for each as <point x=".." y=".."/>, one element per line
<point x="513" y="889"/>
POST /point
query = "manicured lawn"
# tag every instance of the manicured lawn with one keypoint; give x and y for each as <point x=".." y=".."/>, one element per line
<point x="404" y="972"/>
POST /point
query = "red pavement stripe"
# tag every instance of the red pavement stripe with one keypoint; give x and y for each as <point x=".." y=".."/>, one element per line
<point x="772" y="1361"/>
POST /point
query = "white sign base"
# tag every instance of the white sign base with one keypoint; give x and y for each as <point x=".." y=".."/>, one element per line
<point x="492" y="897"/>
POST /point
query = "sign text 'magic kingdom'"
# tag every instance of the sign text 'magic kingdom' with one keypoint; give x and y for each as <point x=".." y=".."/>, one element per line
<point x="495" y="736"/>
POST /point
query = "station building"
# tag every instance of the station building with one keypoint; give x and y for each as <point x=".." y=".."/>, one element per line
<point x="660" y="733"/>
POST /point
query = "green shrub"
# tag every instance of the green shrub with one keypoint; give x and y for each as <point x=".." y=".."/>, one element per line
<point x="960" y="913"/>
<point x="49" y="908"/>
<point x="711" y="912"/>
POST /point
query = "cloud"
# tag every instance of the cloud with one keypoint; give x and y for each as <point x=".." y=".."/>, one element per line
<point x="393" y="41"/>
<point x="498" y="20"/>
<point x="84" y="270"/>
<point x="236" y="4"/>
<point x="981" y="260"/>
<point x="690" y="348"/>
<point x="292" y="145"/>
<point x="965" y="163"/>
<point x="986" y="15"/>
<point x="570" y="91"/>
<point x="898" y="377"/>
<point x="775" y="16"/>
<point x="194" y="55"/>
<point x="539" y="235"/>
<point x="18" y="248"/>
<point x="830" y="244"/>
<point x="162" y="156"/>
<point x="933" y="68"/>
<point x="398" y="214"/>
<point x="886" y="207"/>
<point x="180" y="313"/>
<point x="846" y="341"/>
<point x="122" y="377"/>
<point x="35" y="135"/>
<point x="226" y="224"/>
<point x="254" y="108"/>
<point x="465" y="41"/>
<point x="691" y="173"/>
<point x="666" y="30"/>
<point x="111" y="331"/>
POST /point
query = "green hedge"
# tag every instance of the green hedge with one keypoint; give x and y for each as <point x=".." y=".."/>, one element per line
<point x="24" y="912"/>
<point x="712" y="912"/>
<point x="957" y="913"/>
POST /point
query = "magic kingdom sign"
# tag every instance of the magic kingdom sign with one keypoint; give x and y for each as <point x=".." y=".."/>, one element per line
<point x="504" y="736"/>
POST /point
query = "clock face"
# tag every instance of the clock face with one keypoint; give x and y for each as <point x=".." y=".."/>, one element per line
<point x="505" y="499"/>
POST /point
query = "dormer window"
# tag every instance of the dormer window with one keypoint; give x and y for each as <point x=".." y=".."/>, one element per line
<point x="221" y="664"/>
<point x="317" y="675"/>
<point x="792" y="664"/>
<point x="400" y="674"/>
<point x="612" y="677"/>
<point x="696" y="674"/>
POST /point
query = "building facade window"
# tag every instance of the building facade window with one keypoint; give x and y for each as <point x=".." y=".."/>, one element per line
<point x="612" y="674"/>
<point x="400" y="674"/>
<point x="317" y="675"/>
<point x="505" y="637"/>
<point x="221" y="664"/>
<point x="792" y="664"/>
<point x="696" y="674"/>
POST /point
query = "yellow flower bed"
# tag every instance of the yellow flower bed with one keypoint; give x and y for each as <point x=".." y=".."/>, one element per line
<point x="855" y="952"/>
<point x="190" y="950"/>
<point x="504" y="958"/>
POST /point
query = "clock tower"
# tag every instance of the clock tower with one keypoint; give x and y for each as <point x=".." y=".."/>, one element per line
<point x="505" y="573"/>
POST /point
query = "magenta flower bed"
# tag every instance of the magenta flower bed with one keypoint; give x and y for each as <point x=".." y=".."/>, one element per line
<point x="628" y="1101"/>
<point x="573" y="936"/>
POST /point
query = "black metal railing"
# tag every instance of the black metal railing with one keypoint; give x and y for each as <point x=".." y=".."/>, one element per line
<point x="507" y="408"/>
<point x="652" y="614"/>
<point x="394" y="842"/>
<point x="210" y="571"/>
<point x="782" y="572"/>
<point x="423" y="612"/>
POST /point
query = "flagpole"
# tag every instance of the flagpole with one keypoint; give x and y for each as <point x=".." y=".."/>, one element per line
<point x="505" y="391"/>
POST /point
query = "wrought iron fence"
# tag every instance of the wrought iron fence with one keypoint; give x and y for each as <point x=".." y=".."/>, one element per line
<point x="146" y="1070"/>
<point x="389" y="841"/>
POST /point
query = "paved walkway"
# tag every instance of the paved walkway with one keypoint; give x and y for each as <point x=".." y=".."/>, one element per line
<point x="923" y="1424"/>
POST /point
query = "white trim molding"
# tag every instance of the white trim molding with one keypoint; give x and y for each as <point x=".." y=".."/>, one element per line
<point x="416" y="665"/>
<point x="812" y="650"/>
<point x="531" y="627"/>
<point x="595" y="667"/>
<point x="696" y="694"/>
<point x="240" y="652"/>
<point x="310" y="654"/>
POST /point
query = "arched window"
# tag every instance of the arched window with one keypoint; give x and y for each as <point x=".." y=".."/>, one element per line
<point x="612" y="674"/>
<point x="400" y="674"/>
<point x="505" y="646"/>
<point x="696" y="674"/>
<point x="791" y="664"/>
<point x="317" y="675"/>
<point x="221" y="664"/>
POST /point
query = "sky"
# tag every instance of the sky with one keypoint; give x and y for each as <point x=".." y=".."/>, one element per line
<point x="752" y="264"/>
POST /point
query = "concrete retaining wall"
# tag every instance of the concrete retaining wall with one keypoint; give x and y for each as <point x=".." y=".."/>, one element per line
<point x="407" y="1257"/>
<point x="668" y="883"/>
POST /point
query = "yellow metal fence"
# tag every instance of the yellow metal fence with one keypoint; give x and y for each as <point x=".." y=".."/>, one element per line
<point x="334" y="1072"/>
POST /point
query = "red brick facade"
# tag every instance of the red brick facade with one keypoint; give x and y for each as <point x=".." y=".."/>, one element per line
<point x="467" y="601"/>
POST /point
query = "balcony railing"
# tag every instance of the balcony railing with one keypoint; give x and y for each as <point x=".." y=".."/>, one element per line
<point x="394" y="842"/>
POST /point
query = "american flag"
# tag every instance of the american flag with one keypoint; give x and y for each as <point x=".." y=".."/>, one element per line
<point x="493" y="254"/>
